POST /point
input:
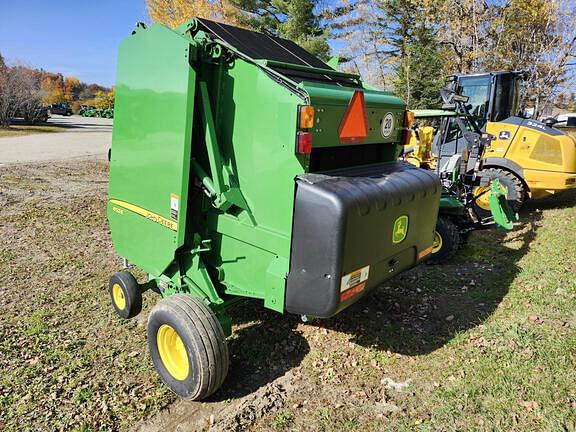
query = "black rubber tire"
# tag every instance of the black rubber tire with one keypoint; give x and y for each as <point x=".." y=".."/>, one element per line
<point x="131" y="293"/>
<point x="450" y="235"/>
<point x="204" y="340"/>
<point x="516" y="191"/>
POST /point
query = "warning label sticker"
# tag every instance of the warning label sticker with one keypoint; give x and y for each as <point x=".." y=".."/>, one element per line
<point x="356" y="277"/>
<point x="174" y="205"/>
<point x="352" y="292"/>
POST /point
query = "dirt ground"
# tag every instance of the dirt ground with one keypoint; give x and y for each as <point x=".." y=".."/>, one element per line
<point x="487" y="342"/>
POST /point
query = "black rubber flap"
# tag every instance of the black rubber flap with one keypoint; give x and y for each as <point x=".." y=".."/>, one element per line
<point x="355" y="228"/>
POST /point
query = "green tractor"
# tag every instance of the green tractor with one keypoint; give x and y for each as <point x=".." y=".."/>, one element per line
<point x="461" y="176"/>
<point x="99" y="112"/>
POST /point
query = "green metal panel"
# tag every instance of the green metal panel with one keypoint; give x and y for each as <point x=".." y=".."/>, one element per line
<point x="256" y="123"/>
<point x="151" y="147"/>
<point x="330" y="103"/>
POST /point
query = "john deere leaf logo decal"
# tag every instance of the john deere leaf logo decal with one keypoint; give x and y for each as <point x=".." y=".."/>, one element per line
<point x="400" y="229"/>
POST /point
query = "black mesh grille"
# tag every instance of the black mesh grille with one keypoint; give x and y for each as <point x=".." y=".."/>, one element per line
<point x="265" y="47"/>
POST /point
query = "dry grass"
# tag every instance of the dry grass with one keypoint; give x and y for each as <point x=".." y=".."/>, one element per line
<point x="487" y="342"/>
<point x="21" y="130"/>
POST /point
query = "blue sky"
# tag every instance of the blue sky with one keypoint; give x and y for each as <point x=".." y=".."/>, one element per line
<point x="74" y="37"/>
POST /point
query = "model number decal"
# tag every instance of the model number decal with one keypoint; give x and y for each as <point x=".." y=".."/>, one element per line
<point x="535" y="125"/>
<point x="356" y="277"/>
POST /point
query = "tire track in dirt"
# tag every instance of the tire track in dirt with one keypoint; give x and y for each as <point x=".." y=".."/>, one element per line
<point x="222" y="416"/>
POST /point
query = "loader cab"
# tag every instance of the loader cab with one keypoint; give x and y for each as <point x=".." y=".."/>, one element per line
<point x="493" y="97"/>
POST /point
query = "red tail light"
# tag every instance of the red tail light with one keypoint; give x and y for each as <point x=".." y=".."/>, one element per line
<point x="304" y="143"/>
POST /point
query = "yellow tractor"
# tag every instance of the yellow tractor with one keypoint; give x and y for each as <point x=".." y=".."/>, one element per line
<point x="531" y="159"/>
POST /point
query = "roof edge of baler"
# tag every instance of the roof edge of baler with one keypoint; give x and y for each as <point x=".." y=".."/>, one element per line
<point x="282" y="58"/>
<point x="303" y="74"/>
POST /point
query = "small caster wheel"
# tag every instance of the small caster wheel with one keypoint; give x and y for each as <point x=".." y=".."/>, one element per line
<point x="187" y="346"/>
<point x="126" y="295"/>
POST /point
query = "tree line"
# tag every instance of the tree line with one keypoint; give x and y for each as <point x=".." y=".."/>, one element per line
<point x="410" y="46"/>
<point x="25" y="92"/>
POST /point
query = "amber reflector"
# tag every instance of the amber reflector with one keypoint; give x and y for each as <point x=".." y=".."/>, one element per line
<point x="306" y="117"/>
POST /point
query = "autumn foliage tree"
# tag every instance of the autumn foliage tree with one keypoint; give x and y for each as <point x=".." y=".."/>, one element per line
<point x="172" y="13"/>
<point x="71" y="88"/>
<point x="408" y="45"/>
<point x="291" y="19"/>
<point x="53" y="86"/>
<point x="539" y="37"/>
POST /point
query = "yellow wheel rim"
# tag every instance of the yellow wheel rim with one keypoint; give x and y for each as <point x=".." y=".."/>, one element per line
<point x="483" y="201"/>
<point x="172" y="352"/>
<point x="437" y="242"/>
<point x="118" y="296"/>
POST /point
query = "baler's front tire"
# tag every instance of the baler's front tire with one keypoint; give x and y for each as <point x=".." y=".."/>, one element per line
<point x="125" y="294"/>
<point x="446" y="241"/>
<point x="187" y="346"/>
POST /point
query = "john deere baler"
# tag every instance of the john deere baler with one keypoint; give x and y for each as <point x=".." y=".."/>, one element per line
<point x="243" y="166"/>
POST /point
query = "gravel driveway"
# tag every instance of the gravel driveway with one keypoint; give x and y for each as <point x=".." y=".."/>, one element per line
<point x="82" y="138"/>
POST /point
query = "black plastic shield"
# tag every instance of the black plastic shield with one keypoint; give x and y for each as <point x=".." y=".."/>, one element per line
<point x="355" y="228"/>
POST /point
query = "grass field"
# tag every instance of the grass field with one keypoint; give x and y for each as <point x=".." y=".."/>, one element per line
<point x="20" y="130"/>
<point x="487" y="342"/>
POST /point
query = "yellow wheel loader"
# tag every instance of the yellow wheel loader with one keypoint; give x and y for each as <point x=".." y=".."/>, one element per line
<point x="531" y="159"/>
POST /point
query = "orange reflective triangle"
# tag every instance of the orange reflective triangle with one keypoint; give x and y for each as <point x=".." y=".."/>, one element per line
<point x="354" y="126"/>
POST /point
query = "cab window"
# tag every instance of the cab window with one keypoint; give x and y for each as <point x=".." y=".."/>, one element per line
<point x="478" y="91"/>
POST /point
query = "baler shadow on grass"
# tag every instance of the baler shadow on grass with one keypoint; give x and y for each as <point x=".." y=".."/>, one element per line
<point x="414" y="314"/>
<point x="420" y="311"/>
<point x="264" y="346"/>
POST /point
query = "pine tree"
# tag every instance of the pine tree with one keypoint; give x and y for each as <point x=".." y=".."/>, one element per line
<point x="401" y="50"/>
<point x="419" y="71"/>
<point x="295" y="20"/>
